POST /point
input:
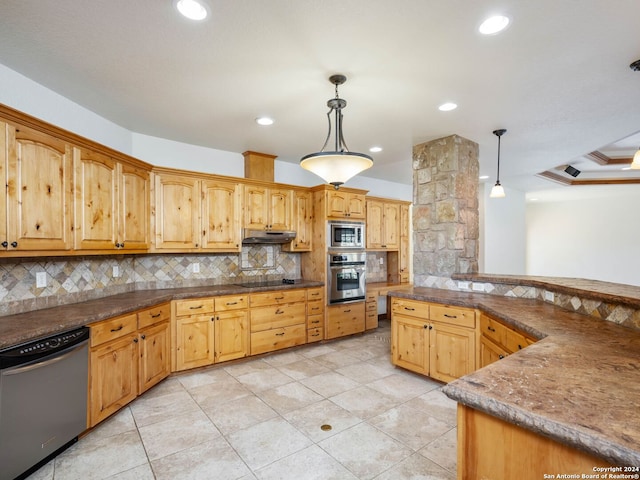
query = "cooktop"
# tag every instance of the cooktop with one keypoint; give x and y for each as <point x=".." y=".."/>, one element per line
<point x="266" y="283"/>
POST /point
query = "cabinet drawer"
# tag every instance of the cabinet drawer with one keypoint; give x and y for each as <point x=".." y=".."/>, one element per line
<point x="154" y="315"/>
<point x="276" y="316"/>
<point x="371" y="320"/>
<point x="345" y="320"/>
<point x="113" y="328"/>
<point x="194" y="307"/>
<point x="316" y="293"/>
<point x="314" y="335"/>
<point x="315" y="321"/>
<point x="371" y="297"/>
<point x="231" y="302"/>
<point x="515" y="341"/>
<point x="371" y="307"/>
<point x="315" y="308"/>
<point x="463" y="317"/>
<point x="494" y="330"/>
<point x="412" y="308"/>
<point x="278" y="297"/>
<point x="277" y="338"/>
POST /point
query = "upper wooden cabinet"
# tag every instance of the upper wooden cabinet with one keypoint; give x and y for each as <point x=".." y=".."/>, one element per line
<point x="383" y="224"/>
<point x="302" y="222"/>
<point x="221" y="212"/>
<point x="112" y="203"/>
<point x="36" y="206"/>
<point x="342" y="204"/>
<point x="267" y="208"/>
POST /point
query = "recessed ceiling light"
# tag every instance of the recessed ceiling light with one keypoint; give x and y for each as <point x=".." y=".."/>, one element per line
<point x="447" y="107"/>
<point x="192" y="9"/>
<point x="375" y="149"/>
<point x="264" y="121"/>
<point x="483" y="177"/>
<point x="493" y="25"/>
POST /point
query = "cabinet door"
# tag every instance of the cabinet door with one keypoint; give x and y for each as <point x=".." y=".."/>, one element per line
<point x="114" y="377"/>
<point x="490" y="352"/>
<point x="405" y="220"/>
<point x="5" y="144"/>
<point x="356" y="206"/>
<point x="221" y="211"/>
<point x="231" y="335"/>
<point x="96" y="190"/>
<point x="134" y="210"/>
<point x="451" y="352"/>
<point x="39" y="191"/>
<point x="302" y="223"/>
<point x="256" y="205"/>
<point x="410" y="344"/>
<point x="337" y="204"/>
<point x="391" y="226"/>
<point x="345" y="320"/>
<point x="375" y="215"/>
<point x="194" y="341"/>
<point x="177" y="212"/>
<point x="280" y="210"/>
<point x="154" y="362"/>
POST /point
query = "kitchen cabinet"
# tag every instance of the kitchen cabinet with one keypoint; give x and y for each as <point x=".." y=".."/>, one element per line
<point x="383" y="224"/>
<point x="209" y="330"/>
<point x="36" y="208"/>
<point x="302" y="222"/>
<point x="112" y="203"/>
<point x="315" y="314"/>
<point x="278" y="320"/>
<point x="345" y="319"/>
<point x="398" y="262"/>
<point x="371" y="311"/>
<point x="342" y="205"/>
<point x="432" y="339"/>
<point x="128" y="355"/>
<point x="497" y="340"/>
<point x="196" y="214"/>
<point x="267" y="208"/>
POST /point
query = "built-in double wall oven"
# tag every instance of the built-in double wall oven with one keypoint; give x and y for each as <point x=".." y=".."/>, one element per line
<point x="346" y="262"/>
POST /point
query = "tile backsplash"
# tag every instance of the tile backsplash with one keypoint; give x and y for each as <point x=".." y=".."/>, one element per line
<point x="77" y="279"/>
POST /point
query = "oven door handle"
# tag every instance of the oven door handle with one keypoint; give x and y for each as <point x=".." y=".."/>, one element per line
<point x="358" y="267"/>
<point x="55" y="358"/>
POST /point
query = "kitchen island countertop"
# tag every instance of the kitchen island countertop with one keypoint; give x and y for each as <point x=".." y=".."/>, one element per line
<point x="23" y="327"/>
<point x="579" y="384"/>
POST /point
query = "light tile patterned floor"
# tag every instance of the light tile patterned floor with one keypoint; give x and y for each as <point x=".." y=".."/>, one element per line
<point x="261" y="419"/>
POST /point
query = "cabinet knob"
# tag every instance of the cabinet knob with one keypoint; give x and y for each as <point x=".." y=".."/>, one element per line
<point x="135" y="340"/>
<point x="500" y="357"/>
<point x="430" y="327"/>
<point x="117" y="245"/>
<point x="14" y="244"/>
<point x="143" y="336"/>
<point x="5" y="244"/>
<point x="425" y="326"/>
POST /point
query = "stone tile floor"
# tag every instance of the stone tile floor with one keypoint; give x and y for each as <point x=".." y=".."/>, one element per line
<point x="261" y="419"/>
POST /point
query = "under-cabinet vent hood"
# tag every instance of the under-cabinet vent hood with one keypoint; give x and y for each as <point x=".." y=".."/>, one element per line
<point x="251" y="236"/>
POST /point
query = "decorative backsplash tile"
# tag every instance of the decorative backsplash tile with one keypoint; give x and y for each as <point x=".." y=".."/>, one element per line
<point x="375" y="271"/>
<point x="78" y="279"/>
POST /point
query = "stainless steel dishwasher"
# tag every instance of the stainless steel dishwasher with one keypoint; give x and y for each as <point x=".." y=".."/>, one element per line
<point x="43" y="400"/>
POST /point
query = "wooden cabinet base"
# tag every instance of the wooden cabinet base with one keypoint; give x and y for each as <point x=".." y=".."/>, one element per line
<point x="493" y="449"/>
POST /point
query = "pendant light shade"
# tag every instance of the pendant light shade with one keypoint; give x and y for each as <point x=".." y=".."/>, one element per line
<point x="635" y="165"/>
<point x="338" y="166"/>
<point x="498" y="190"/>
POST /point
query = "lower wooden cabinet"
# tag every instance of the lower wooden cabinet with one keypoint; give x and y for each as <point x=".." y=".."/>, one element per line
<point x="442" y="349"/>
<point x="344" y="320"/>
<point x="497" y="340"/>
<point x="371" y="311"/>
<point x="315" y="314"/>
<point x="128" y="355"/>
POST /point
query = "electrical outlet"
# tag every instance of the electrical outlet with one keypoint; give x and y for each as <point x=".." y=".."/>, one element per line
<point x="463" y="285"/>
<point x="549" y="296"/>
<point x="381" y="261"/>
<point x="41" y="279"/>
<point x="115" y="271"/>
<point x="477" y="287"/>
<point x="196" y="268"/>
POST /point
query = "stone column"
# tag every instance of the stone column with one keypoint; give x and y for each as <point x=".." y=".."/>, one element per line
<point x="445" y="211"/>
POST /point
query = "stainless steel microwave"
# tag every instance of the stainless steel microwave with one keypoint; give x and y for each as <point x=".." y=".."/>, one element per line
<point x="345" y="235"/>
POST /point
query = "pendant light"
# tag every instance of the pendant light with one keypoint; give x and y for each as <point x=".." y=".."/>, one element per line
<point x="498" y="191"/>
<point x="635" y="165"/>
<point x="337" y="166"/>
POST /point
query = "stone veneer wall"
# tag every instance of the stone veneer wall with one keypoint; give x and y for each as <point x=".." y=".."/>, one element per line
<point x="445" y="209"/>
<point x="78" y="279"/>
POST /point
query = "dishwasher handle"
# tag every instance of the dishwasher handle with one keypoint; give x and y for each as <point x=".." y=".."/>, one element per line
<point x="54" y="358"/>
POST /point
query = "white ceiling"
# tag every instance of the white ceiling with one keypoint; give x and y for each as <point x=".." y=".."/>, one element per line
<point x="558" y="79"/>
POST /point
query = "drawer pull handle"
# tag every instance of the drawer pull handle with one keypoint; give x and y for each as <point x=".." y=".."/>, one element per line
<point x="232" y="303"/>
<point x="347" y="311"/>
<point x="315" y="335"/>
<point x="315" y="321"/>
<point x="279" y="334"/>
<point x="196" y="308"/>
<point x="450" y="316"/>
<point x="279" y="312"/>
<point x="117" y="329"/>
<point x="410" y="309"/>
<point x="519" y="347"/>
<point x="156" y="315"/>
<point x="315" y="308"/>
<point x="315" y="294"/>
<point x="279" y="298"/>
<point x="491" y="329"/>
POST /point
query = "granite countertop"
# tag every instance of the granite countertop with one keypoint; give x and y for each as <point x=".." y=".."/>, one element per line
<point x="23" y="327"/>
<point x="579" y="384"/>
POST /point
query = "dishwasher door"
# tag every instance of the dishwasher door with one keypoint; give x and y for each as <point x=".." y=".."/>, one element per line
<point x="43" y="407"/>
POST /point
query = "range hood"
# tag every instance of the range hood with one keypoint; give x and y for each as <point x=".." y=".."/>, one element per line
<point x="251" y="236"/>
